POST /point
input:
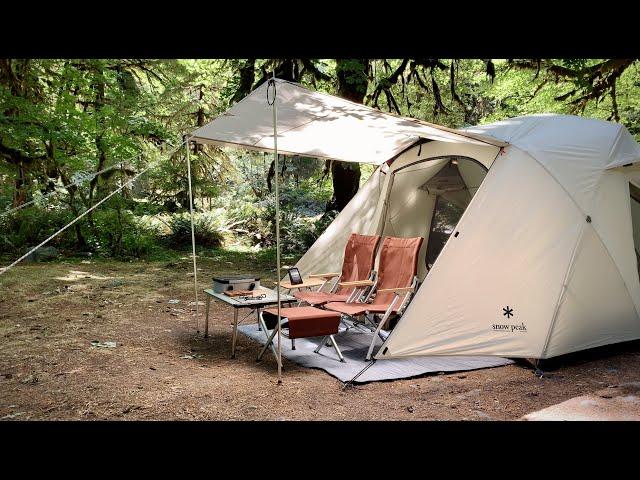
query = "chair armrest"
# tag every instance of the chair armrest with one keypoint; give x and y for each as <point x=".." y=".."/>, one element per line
<point x="357" y="283"/>
<point x="307" y="283"/>
<point x="326" y="276"/>
<point x="398" y="291"/>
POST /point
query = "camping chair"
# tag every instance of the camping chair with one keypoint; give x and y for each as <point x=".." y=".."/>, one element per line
<point x="359" y="258"/>
<point x="397" y="279"/>
<point x="302" y="322"/>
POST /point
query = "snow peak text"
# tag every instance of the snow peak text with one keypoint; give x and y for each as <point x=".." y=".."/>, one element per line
<point x="503" y="327"/>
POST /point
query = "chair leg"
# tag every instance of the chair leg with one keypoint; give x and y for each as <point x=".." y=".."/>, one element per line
<point x="270" y="337"/>
<point x="375" y="335"/>
<point x="335" y="345"/>
<point x="329" y="340"/>
<point x="320" y="345"/>
<point x="293" y="344"/>
<point x="387" y="314"/>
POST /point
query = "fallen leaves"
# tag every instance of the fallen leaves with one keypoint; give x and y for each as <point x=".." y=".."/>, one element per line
<point x="12" y="415"/>
<point x="99" y="344"/>
<point x="191" y="356"/>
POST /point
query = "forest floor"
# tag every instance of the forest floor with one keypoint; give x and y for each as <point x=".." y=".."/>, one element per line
<point x="161" y="369"/>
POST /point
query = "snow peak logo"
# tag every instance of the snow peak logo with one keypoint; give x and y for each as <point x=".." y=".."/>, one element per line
<point x="504" y="327"/>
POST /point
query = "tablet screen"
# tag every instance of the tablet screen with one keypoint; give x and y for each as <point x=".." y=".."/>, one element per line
<point x="294" y="276"/>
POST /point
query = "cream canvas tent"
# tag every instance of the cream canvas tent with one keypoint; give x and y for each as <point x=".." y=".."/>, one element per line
<point x="531" y="225"/>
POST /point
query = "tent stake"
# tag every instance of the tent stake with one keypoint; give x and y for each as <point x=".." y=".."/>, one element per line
<point x="193" y="236"/>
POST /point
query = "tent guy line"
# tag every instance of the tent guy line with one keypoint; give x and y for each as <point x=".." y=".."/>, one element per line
<point x="84" y="178"/>
<point x="4" y="270"/>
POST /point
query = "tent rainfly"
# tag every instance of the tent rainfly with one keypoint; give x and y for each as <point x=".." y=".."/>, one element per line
<point x="531" y="225"/>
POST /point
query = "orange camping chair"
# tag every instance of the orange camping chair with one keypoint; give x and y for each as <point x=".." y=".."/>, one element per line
<point x="359" y="258"/>
<point x="397" y="279"/>
<point x="310" y="321"/>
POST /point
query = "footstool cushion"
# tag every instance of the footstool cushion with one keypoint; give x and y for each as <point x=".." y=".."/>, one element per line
<point x="304" y="321"/>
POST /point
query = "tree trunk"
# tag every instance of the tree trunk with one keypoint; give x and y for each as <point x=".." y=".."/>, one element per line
<point x="73" y="190"/>
<point x="352" y="85"/>
<point x="99" y="87"/>
<point x="346" y="181"/>
<point x="247" y="77"/>
<point x="200" y="118"/>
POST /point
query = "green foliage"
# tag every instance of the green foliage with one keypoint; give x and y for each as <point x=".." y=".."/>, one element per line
<point x="25" y="229"/>
<point x="313" y="230"/>
<point x="354" y="73"/>
<point x="256" y="222"/>
<point x="209" y="230"/>
<point x="119" y="233"/>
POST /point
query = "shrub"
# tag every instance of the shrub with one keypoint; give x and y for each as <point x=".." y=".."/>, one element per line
<point x="302" y="221"/>
<point x="26" y="228"/>
<point x="209" y="229"/>
<point x="254" y="221"/>
<point x="120" y="234"/>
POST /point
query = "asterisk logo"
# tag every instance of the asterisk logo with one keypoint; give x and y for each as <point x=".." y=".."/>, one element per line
<point x="507" y="311"/>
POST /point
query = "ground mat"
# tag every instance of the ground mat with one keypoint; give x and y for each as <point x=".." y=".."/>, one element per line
<point x="354" y="345"/>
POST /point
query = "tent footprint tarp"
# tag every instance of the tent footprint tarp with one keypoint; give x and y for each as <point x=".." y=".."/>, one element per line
<point x="354" y="347"/>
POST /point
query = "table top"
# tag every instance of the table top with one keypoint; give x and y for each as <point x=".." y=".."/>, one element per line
<point x="268" y="300"/>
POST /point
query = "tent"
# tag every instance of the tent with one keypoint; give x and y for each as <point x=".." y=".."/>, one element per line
<point x="531" y="225"/>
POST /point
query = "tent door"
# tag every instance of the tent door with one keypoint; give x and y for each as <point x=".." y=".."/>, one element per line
<point x="452" y="196"/>
<point x="443" y="223"/>
<point x="427" y="198"/>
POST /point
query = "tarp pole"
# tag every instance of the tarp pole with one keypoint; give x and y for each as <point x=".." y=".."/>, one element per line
<point x="275" y="153"/>
<point x="193" y="236"/>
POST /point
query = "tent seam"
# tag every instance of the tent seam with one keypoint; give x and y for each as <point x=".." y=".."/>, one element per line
<point x="224" y="143"/>
<point x="602" y="173"/>
<point x="563" y="289"/>
<point x="568" y="279"/>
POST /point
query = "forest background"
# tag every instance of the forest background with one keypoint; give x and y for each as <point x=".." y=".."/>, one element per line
<point x="74" y="130"/>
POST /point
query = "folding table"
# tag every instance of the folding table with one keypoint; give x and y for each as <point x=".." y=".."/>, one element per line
<point x="239" y="303"/>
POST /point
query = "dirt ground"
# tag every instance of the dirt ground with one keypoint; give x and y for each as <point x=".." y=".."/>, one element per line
<point x="160" y="369"/>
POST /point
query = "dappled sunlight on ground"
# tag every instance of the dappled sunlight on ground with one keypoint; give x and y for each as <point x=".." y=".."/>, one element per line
<point x="75" y="275"/>
<point x="55" y="316"/>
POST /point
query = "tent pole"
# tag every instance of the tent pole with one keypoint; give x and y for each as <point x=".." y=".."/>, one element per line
<point x="193" y="236"/>
<point x="275" y="153"/>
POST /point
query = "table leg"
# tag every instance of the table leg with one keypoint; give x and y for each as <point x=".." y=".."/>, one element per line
<point x="235" y="333"/>
<point x="206" y="318"/>
<point x="269" y="343"/>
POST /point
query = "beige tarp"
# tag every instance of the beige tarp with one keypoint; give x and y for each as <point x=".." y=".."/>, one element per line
<point x="319" y="125"/>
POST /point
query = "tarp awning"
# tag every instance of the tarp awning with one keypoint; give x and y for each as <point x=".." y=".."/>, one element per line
<point x="320" y="125"/>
